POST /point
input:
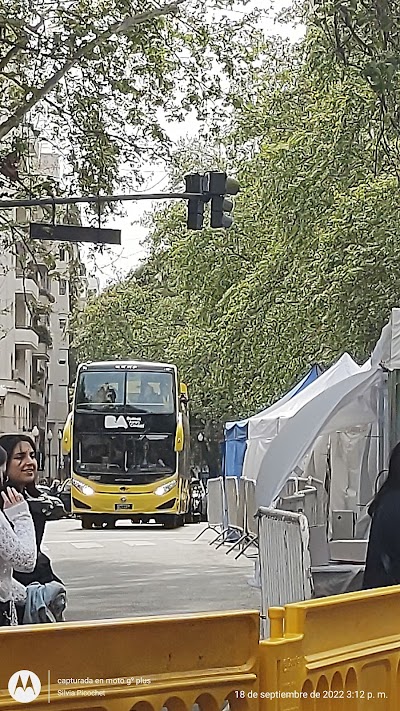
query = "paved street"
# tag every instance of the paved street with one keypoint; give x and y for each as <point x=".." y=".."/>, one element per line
<point x="146" y="570"/>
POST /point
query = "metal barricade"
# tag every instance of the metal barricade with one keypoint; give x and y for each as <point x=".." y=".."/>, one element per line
<point x="251" y="527"/>
<point x="232" y="509"/>
<point x="285" y="565"/>
<point x="241" y="516"/>
<point x="215" y="506"/>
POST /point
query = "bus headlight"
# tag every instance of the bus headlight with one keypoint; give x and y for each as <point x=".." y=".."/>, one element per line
<point x="165" y="488"/>
<point x="83" y="488"/>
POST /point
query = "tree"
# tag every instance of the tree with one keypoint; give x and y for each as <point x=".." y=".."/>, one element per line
<point x="363" y="36"/>
<point x="98" y="80"/>
<point x="310" y="269"/>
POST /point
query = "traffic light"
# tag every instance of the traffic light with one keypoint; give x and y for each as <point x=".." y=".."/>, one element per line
<point x="195" y="217"/>
<point x="212" y="186"/>
<point x="220" y="185"/>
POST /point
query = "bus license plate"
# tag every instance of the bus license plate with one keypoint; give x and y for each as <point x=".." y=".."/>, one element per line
<point x="119" y="507"/>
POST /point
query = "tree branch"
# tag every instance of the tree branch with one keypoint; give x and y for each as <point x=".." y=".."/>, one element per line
<point x="115" y="29"/>
<point x="9" y="56"/>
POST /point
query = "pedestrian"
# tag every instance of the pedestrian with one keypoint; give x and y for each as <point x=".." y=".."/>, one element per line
<point x="382" y="566"/>
<point x="21" y="472"/>
<point x="17" y="547"/>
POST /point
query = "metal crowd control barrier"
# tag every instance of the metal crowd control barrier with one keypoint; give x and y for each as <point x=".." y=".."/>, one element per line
<point x="340" y="652"/>
<point x="285" y="564"/>
<point x="240" y="526"/>
<point x="215" y="506"/>
<point x="231" y="493"/>
<point x="251" y="525"/>
<point x="133" y="665"/>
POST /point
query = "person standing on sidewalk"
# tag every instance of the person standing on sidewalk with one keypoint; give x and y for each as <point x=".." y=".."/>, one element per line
<point x="21" y="473"/>
<point x="17" y="547"/>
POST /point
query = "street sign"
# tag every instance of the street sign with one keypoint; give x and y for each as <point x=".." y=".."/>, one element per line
<point x="71" y="233"/>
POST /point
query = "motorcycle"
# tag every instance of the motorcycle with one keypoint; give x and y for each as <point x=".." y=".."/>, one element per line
<point x="198" y="503"/>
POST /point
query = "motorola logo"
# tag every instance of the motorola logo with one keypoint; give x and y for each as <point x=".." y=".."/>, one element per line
<point x="24" y="686"/>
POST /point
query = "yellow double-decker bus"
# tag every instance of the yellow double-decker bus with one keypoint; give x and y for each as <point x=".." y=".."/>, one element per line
<point x="128" y="441"/>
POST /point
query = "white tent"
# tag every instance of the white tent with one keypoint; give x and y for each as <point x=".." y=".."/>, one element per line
<point x="348" y="404"/>
<point x="263" y="428"/>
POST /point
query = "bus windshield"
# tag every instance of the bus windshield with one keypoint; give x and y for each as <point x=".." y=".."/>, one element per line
<point x="125" y="454"/>
<point x="134" y="391"/>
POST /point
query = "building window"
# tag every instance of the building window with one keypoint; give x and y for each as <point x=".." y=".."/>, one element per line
<point x="15" y="415"/>
<point x="63" y="323"/>
<point x="62" y="288"/>
<point x="63" y="254"/>
<point x="62" y="362"/>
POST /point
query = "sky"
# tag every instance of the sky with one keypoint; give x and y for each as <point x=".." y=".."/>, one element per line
<point x="118" y="261"/>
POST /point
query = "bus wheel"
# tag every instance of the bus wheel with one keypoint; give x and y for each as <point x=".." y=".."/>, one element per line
<point x="111" y="523"/>
<point x="173" y="521"/>
<point x="86" y="522"/>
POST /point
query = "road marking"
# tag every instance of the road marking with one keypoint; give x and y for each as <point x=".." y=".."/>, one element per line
<point x="84" y="543"/>
<point x="87" y="545"/>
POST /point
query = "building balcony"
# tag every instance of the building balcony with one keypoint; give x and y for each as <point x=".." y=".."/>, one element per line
<point x="41" y="353"/>
<point x="28" y="287"/>
<point x="37" y="397"/>
<point x="44" y="335"/>
<point x="25" y="337"/>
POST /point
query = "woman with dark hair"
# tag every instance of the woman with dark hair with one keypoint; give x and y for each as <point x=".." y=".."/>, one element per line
<point x="17" y="547"/>
<point x="21" y="472"/>
<point x="382" y="567"/>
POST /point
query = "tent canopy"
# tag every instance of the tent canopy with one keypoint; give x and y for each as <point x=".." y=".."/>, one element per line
<point x="347" y="403"/>
<point x="236" y="433"/>
<point x="263" y="428"/>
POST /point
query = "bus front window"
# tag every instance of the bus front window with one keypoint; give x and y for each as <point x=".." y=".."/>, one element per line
<point x="125" y="453"/>
<point x="100" y="388"/>
<point x="150" y="393"/>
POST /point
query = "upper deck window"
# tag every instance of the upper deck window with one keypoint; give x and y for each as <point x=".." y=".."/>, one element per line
<point x="150" y="392"/>
<point x="95" y="387"/>
<point x="139" y="391"/>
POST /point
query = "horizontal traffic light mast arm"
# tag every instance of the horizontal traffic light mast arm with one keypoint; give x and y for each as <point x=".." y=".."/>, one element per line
<point x="97" y="199"/>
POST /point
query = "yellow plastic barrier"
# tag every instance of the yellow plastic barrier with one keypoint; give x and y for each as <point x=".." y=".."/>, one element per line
<point x="333" y="654"/>
<point x="141" y="664"/>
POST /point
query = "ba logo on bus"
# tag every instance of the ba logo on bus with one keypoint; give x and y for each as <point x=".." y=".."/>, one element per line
<point x="24" y="686"/>
<point x="114" y="422"/>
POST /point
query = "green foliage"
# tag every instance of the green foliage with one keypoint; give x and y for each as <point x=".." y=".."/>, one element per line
<point x="362" y="36"/>
<point x="99" y="79"/>
<point x="311" y="268"/>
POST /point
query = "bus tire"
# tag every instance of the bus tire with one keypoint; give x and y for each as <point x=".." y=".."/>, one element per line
<point x="173" y="521"/>
<point x="111" y="523"/>
<point x="87" y="522"/>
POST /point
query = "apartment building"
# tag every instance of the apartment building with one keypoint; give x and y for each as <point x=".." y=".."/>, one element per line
<point x="68" y="290"/>
<point x="36" y="290"/>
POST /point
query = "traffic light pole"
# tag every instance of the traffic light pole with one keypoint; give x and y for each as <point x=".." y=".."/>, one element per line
<point x="96" y="199"/>
<point x="200" y="189"/>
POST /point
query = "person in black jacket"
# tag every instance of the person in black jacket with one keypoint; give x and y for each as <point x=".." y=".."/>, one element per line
<point x="382" y="566"/>
<point x="21" y="473"/>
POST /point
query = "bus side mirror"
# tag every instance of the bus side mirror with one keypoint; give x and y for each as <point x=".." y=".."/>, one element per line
<point x="179" y="434"/>
<point x="183" y="394"/>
